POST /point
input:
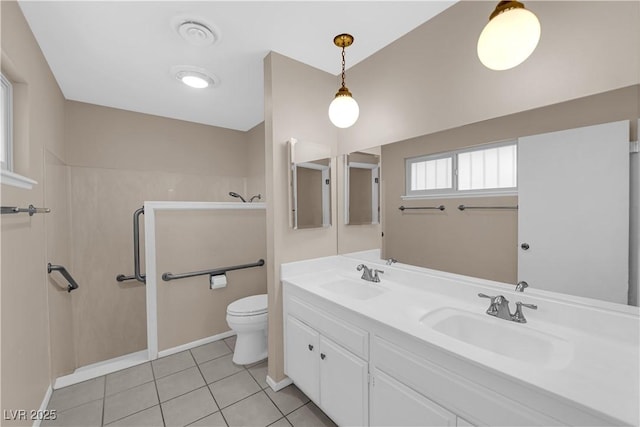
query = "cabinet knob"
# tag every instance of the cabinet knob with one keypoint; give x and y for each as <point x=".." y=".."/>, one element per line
<point x="524" y="246"/>
<point x="310" y="347"/>
<point x="322" y="356"/>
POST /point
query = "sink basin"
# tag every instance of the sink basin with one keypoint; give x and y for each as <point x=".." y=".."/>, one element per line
<point x="499" y="336"/>
<point x="354" y="289"/>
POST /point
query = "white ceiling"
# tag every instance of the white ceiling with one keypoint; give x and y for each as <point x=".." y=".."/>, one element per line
<point x="119" y="54"/>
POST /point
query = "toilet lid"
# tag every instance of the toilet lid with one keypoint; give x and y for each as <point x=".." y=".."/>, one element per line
<point x="255" y="304"/>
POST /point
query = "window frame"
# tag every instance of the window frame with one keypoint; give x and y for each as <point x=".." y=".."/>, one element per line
<point x="453" y="191"/>
<point x="7" y="118"/>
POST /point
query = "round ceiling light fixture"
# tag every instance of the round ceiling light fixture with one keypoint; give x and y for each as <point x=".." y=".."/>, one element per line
<point x="510" y="36"/>
<point x="195" y="77"/>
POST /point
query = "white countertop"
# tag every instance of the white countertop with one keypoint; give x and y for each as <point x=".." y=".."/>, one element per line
<point x="595" y="358"/>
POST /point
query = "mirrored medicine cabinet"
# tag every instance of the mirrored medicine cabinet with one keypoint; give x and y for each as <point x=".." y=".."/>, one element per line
<point x="362" y="188"/>
<point x="309" y="179"/>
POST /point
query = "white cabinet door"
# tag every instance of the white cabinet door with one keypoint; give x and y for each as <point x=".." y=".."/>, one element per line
<point x="343" y="385"/>
<point x="573" y="197"/>
<point x="302" y="355"/>
<point x="394" y="404"/>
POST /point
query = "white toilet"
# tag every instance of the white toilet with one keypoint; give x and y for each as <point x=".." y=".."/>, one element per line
<point x="248" y="318"/>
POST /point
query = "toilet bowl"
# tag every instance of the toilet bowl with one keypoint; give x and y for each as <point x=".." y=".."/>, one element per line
<point x="247" y="317"/>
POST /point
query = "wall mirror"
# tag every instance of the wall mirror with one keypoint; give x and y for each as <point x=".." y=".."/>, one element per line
<point x="310" y="184"/>
<point x="362" y="188"/>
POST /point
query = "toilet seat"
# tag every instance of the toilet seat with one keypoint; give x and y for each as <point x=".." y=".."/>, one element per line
<point x="249" y="306"/>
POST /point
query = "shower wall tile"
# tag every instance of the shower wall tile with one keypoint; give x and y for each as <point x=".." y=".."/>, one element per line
<point x="110" y="317"/>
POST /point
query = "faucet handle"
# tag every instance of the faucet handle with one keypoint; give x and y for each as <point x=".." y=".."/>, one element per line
<point x="481" y="295"/>
<point x="375" y="275"/>
<point x="518" y="316"/>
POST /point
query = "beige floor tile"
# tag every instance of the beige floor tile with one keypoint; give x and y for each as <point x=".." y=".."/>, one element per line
<point x="255" y="410"/>
<point x="288" y="399"/>
<point x="128" y="378"/>
<point x="77" y="394"/>
<point x="309" y="416"/>
<point x="129" y="402"/>
<point x="213" y="420"/>
<point x="86" y="415"/>
<point x="259" y="372"/>
<point x="151" y="417"/>
<point x="189" y="407"/>
<point x="210" y="351"/>
<point x="234" y="388"/>
<point x="179" y="383"/>
<point x="219" y="368"/>
<point x="171" y="364"/>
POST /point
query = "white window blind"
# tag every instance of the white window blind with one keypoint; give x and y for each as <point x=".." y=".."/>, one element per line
<point x="489" y="169"/>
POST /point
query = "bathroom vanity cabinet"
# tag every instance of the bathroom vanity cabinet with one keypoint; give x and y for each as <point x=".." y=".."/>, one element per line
<point x="324" y="363"/>
<point x="357" y="358"/>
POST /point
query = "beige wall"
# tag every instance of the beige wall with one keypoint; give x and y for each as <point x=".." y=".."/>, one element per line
<point x="28" y="300"/>
<point x="255" y="162"/>
<point x="478" y="243"/>
<point x="118" y="160"/>
<point x="296" y="101"/>
<point x="201" y="240"/>
<point x="431" y="79"/>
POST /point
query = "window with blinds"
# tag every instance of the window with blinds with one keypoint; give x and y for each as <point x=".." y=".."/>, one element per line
<point x="489" y="169"/>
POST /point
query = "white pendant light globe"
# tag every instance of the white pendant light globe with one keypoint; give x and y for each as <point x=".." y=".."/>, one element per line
<point x="343" y="111"/>
<point x="509" y="38"/>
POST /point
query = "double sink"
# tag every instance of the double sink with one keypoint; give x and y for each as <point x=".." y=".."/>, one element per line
<point x="511" y="340"/>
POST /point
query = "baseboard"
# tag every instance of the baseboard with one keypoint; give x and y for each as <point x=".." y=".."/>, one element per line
<point x="95" y="370"/>
<point x="43" y="406"/>
<point x="197" y="343"/>
<point x="277" y="386"/>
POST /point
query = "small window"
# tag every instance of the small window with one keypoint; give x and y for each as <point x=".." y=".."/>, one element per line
<point x="491" y="169"/>
<point x="6" y="107"/>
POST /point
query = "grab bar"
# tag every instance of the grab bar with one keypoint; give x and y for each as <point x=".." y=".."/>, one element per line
<point x="31" y="210"/>
<point x="463" y="207"/>
<point x="136" y="251"/>
<point x="169" y="276"/>
<point x="72" y="283"/>
<point x="404" y="208"/>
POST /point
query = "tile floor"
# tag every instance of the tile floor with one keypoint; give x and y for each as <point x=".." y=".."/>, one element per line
<point x="197" y="387"/>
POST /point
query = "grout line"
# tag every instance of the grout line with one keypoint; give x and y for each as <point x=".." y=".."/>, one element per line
<point x="153" y="374"/>
<point x="210" y="392"/>
<point x="104" y="400"/>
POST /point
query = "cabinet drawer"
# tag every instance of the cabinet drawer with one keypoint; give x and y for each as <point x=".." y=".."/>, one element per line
<point x="351" y="337"/>
<point x="452" y="390"/>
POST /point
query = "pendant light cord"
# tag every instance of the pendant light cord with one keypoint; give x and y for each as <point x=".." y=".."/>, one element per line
<point x="343" y="64"/>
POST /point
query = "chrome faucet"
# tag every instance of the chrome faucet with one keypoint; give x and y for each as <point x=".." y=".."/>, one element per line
<point x="368" y="274"/>
<point x="521" y="285"/>
<point x="499" y="307"/>
<point x="391" y="261"/>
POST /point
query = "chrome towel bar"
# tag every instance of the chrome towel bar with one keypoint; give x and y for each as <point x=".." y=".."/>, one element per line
<point x="404" y="208"/>
<point x="31" y="210"/>
<point x="72" y="283"/>
<point x="463" y="207"/>
<point x="216" y="271"/>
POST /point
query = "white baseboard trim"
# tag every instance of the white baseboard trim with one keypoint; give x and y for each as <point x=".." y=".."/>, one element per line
<point x="95" y="370"/>
<point x="43" y="405"/>
<point x="196" y="343"/>
<point x="277" y="386"/>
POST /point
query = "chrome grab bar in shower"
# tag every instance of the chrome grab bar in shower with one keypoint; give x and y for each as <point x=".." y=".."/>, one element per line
<point x="142" y="278"/>
<point x="72" y="283"/>
<point x="169" y="276"/>
<point x="31" y="210"/>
